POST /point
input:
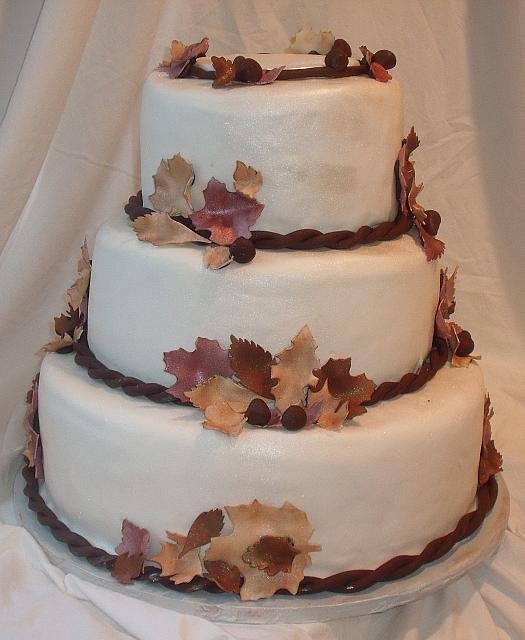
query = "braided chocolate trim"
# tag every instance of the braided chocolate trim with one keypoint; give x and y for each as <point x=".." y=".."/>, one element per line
<point x="410" y="382"/>
<point x="303" y="239"/>
<point x="295" y="74"/>
<point x="345" y="582"/>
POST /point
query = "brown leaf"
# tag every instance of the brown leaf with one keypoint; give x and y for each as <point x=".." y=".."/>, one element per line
<point x="220" y="416"/>
<point x="57" y="345"/>
<point x="127" y="567"/>
<point x="217" y="257"/>
<point x="253" y="365"/>
<point x="167" y="558"/>
<point x="294" y="371"/>
<point x="271" y="554"/>
<point x="68" y="322"/>
<point x="225" y="576"/>
<point x="247" y="180"/>
<point x="411" y="142"/>
<point x="417" y="210"/>
<point x="251" y="522"/>
<point x="223" y="70"/>
<point x="160" y="229"/>
<point x="173" y="182"/>
<point x="333" y="412"/>
<point x="79" y="288"/>
<point x="220" y="389"/>
<point x="342" y="385"/>
<point x="453" y="341"/>
<point x="206" y="526"/>
<point x="490" y="462"/>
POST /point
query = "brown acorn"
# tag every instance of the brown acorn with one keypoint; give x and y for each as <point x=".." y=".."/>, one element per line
<point x="432" y="222"/>
<point x="336" y="59"/>
<point x="242" y="250"/>
<point x="294" y="418"/>
<point x="343" y="46"/>
<point x="466" y="344"/>
<point x="247" y="69"/>
<point x="386" y="58"/>
<point x="258" y="413"/>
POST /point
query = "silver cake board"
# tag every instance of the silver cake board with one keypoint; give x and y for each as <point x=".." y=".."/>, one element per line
<point x="285" y="609"/>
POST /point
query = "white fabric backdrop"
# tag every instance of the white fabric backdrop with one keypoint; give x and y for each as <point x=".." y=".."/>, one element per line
<point x="69" y="155"/>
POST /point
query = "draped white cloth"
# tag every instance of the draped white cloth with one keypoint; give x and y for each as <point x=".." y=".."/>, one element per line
<point x="69" y="153"/>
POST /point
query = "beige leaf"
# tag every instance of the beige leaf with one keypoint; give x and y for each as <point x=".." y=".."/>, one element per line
<point x="78" y="289"/>
<point x="217" y="257"/>
<point x="173" y="182"/>
<point x="251" y="522"/>
<point x="415" y="207"/>
<point x="160" y="229"/>
<point x="333" y="413"/>
<point x="458" y="361"/>
<point x="247" y="180"/>
<point x="220" y="389"/>
<point x="220" y="416"/>
<point x="305" y="40"/>
<point x="189" y="565"/>
<point x="56" y="345"/>
<point x="294" y="370"/>
<point x="168" y="558"/>
<point x="177" y="51"/>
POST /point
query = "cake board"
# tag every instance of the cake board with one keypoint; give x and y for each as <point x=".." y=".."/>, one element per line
<point x="322" y="607"/>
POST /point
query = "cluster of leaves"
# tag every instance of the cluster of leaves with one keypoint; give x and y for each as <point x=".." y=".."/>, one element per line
<point x="183" y="57"/>
<point x="490" y="461"/>
<point x="268" y="550"/>
<point x="445" y="329"/>
<point x="307" y="41"/>
<point x="224" y="382"/>
<point x="226" y="215"/>
<point x="33" y="448"/>
<point x="409" y="191"/>
<point x="70" y="325"/>
<point x="377" y="70"/>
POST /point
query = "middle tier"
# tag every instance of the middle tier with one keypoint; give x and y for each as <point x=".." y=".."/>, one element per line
<point x="374" y="303"/>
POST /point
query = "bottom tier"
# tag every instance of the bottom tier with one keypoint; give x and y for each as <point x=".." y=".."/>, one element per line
<point x="386" y="484"/>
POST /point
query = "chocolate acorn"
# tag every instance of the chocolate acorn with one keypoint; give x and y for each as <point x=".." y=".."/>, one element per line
<point x="258" y="413"/>
<point x="342" y="45"/>
<point x="466" y="344"/>
<point x="242" y="250"/>
<point x="247" y="69"/>
<point x="386" y="58"/>
<point x="294" y="418"/>
<point x="336" y="59"/>
<point x="432" y="222"/>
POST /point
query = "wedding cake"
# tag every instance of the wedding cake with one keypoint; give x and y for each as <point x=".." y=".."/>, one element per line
<point x="256" y="385"/>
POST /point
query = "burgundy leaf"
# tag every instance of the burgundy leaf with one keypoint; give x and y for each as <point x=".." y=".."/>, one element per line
<point x="227" y="214"/>
<point x="195" y="367"/>
<point x="433" y="247"/>
<point x="127" y="567"/>
<point x="206" y="526"/>
<point x="135" y="541"/>
<point x="270" y="75"/>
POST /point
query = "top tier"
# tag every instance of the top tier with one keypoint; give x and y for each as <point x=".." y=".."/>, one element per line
<point x="326" y="147"/>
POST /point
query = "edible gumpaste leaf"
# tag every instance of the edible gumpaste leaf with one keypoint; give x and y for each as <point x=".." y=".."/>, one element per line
<point x="446" y="304"/>
<point x="173" y="181"/>
<point x="305" y="41"/>
<point x="66" y="323"/>
<point x="490" y="463"/>
<point x="253" y="365"/>
<point x="336" y="374"/>
<point x="433" y="247"/>
<point x="221" y="416"/>
<point x="417" y="210"/>
<point x="134" y="539"/>
<point x="206" y="526"/>
<point x="270" y="75"/>
<point x="127" y="567"/>
<point x="247" y="180"/>
<point x="271" y="554"/>
<point x="250" y="523"/>
<point x="78" y="290"/>
<point x="220" y="389"/>
<point x="160" y="229"/>
<point x="192" y="368"/>
<point x="333" y="411"/>
<point x="187" y="566"/>
<point x="488" y="414"/>
<point x="453" y="343"/>
<point x="411" y="142"/>
<point x="168" y="558"/>
<point x="378" y="71"/>
<point x="224" y="72"/>
<point x="33" y="449"/>
<point x="228" y="215"/>
<point x="181" y="56"/>
<point x="225" y="576"/>
<point x="294" y="370"/>
<point x="217" y="257"/>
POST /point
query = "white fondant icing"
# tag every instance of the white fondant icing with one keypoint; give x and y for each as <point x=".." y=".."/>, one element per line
<point x="373" y="303"/>
<point x="394" y="479"/>
<point x="326" y="147"/>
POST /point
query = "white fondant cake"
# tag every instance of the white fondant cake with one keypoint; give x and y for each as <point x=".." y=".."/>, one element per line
<point x="400" y="476"/>
<point x="385" y="484"/>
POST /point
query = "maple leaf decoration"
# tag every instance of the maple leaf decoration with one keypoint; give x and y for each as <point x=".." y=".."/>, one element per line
<point x="224" y="72"/>
<point x="447" y="303"/>
<point x="178" y="568"/>
<point x="183" y="56"/>
<point x="294" y="370"/>
<point x="228" y="215"/>
<point x="378" y="71"/>
<point x="221" y="416"/>
<point x="173" y="181"/>
<point x="192" y="368"/>
<point x="491" y="460"/>
<point x="251" y="523"/>
<point x="160" y="229"/>
<point x="253" y="365"/>
<point x="132" y="552"/>
<point x="33" y="449"/>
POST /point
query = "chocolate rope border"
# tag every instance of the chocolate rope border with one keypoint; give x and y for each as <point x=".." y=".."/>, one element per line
<point x="134" y="387"/>
<point x="293" y="74"/>
<point x="345" y="582"/>
<point x="302" y="239"/>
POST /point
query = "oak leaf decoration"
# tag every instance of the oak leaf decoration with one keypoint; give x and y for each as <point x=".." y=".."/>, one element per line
<point x="433" y="247"/>
<point x="221" y="416"/>
<point x="217" y="257"/>
<point x="306" y="40"/>
<point x="182" y="56"/>
<point x="491" y="461"/>
<point x="160" y="229"/>
<point x="224" y="72"/>
<point x="134" y="539"/>
<point x="251" y="522"/>
<point x="187" y="566"/>
<point x="294" y="370"/>
<point x="227" y="214"/>
<point x="192" y="368"/>
<point x="220" y="389"/>
<point x="78" y="290"/>
<point x="168" y="558"/>
<point x="271" y="554"/>
<point x="225" y="576"/>
<point x="253" y="365"/>
<point x="331" y="411"/>
<point x="247" y="180"/>
<point x="127" y="567"/>
<point x="341" y="385"/>
<point x="33" y="444"/>
<point x="66" y="323"/>
<point x="206" y="526"/>
<point x="173" y="181"/>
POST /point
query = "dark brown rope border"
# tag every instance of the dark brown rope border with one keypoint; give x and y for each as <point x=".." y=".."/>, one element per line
<point x="302" y="239"/>
<point x="345" y="582"/>
<point x="294" y="74"/>
<point x="134" y="387"/>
